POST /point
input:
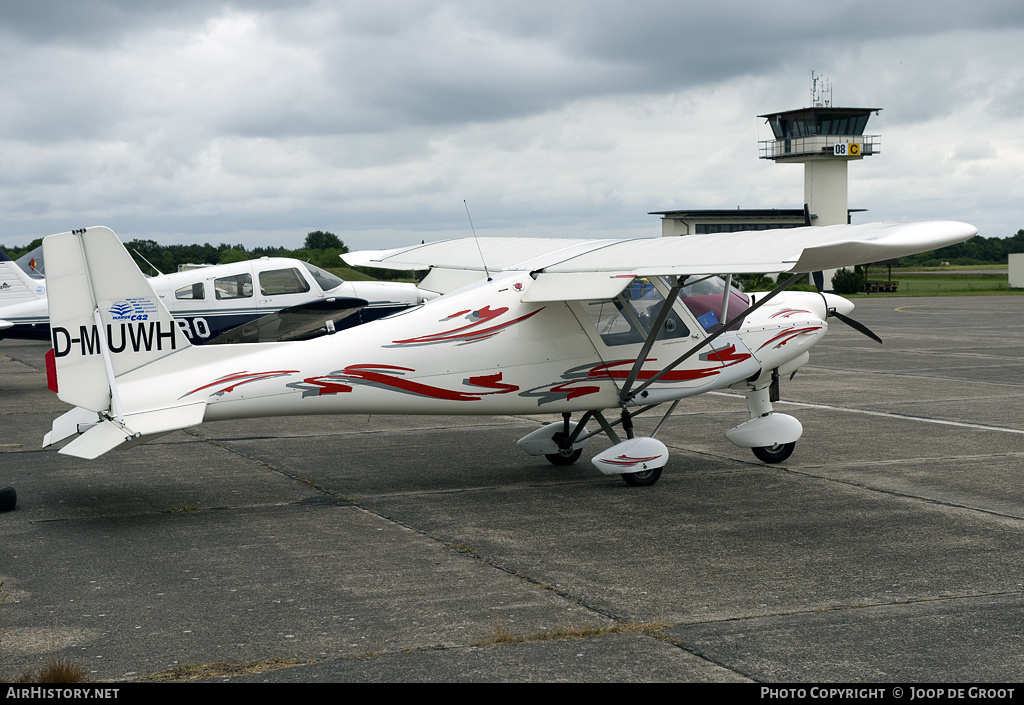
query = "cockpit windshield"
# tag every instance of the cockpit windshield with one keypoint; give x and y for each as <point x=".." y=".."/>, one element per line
<point x="705" y="298"/>
<point x="325" y="279"/>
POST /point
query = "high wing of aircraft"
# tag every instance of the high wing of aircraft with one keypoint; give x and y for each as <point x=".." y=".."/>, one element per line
<point x="271" y="298"/>
<point x="563" y="327"/>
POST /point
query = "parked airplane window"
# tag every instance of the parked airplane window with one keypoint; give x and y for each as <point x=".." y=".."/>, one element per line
<point x="325" y="279"/>
<point x="282" y="281"/>
<point x="194" y="291"/>
<point x="628" y="317"/>
<point x="704" y="299"/>
<point x="614" y="327"/>
<point x="236" y="287"/>
<point x="647" y="301"/>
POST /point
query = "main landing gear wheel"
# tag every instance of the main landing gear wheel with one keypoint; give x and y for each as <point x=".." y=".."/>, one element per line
<point x="642" y="479"/>
<point x="774" y="454"/>
<point x="559" y="459"/>
<point x="8" y="499"/>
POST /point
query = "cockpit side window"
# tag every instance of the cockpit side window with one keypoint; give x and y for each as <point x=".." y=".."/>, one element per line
<point x="238" y="286"/>
<point x="195" y="292"/>
<point x="628" y="318"/>
<point x="614" y="326"/>
<point x="282" y="281"/>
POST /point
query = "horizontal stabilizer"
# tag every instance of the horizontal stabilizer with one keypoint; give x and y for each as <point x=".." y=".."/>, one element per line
<point x="108" y="434"/>
<point x="75" y="421"/>
<point x="16" y="286"/>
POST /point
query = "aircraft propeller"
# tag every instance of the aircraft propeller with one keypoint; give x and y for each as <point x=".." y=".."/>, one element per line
<point x="856" y="325"/>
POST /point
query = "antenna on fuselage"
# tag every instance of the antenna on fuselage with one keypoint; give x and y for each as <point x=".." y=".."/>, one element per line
<point x="477" y="240"/>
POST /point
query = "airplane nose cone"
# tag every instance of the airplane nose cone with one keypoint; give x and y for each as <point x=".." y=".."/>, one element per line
<point x="840" y="304"/>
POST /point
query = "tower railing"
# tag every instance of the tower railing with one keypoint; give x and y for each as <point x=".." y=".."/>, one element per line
<point x="850" y="146"/>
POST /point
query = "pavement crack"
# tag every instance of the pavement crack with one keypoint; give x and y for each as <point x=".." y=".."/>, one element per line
<point x="857" y="606"/>
<point x="897" y="493"/>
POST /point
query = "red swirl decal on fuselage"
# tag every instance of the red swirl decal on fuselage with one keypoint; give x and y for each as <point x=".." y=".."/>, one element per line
<point x="629" y="461"/>
<point x="391" y="377"/>
<point x="579" y="381"/>
<point x="236" y="379"/>
<point x="787" y="312"/>
<point x="787" y="335"/>
<point x="727" y="356"/>
<point x="470" y="333"/>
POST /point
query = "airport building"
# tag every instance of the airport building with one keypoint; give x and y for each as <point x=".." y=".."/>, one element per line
<point x="703" y="222"/>
<point x="825" y="140"/>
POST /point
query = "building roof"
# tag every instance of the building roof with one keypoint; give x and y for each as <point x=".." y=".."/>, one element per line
<point x="741" y="214"/>
<point x="734" y="214"/>
<point x="820" y="109"/>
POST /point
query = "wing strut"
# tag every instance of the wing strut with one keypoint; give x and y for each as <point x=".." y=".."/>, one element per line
<point x="625" y="396"/>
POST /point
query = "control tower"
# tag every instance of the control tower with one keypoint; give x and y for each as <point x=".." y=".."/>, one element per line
<point x="825" y="140"/>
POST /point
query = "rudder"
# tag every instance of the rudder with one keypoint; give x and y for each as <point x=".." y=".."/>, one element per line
<point x="105" y="319"/>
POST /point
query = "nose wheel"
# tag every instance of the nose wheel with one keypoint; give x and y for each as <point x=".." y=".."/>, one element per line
<point x="642" y="479"/>
<point x="774" y="454"/>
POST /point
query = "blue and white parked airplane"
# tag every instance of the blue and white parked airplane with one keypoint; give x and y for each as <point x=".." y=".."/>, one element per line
<point x="271" y="298"/>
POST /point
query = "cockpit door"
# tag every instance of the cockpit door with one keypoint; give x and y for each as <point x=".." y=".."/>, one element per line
<point x="619" y="327"/>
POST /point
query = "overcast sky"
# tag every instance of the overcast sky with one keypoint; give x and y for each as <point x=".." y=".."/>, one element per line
<point x="256" y="122"/>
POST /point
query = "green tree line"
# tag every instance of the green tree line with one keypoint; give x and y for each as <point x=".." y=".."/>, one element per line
<point x="321" y="248"/>
<point x="977" y="250"/>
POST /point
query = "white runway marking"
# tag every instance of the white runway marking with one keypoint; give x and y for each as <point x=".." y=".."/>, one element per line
<point x="888" y="415"/>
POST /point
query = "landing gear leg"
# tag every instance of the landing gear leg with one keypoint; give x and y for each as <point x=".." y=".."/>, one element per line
<point x="565" y="455"/>
<point x="627" y="423"/>
<point x="759" y="401"/>
<point x="759" y="404"/>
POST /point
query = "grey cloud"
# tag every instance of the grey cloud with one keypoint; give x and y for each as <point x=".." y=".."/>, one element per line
<point x="371" y="67"/>
<point x="98" y="22"/>
<point x="201" y="115"/>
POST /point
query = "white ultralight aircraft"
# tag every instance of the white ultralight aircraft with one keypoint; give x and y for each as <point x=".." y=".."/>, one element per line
<point x="557" y="326"/>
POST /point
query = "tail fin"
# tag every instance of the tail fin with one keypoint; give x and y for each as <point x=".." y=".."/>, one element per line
<point x="16" y="286"/>
<point x="105" y="319"/>
<point x="105" y="322"/>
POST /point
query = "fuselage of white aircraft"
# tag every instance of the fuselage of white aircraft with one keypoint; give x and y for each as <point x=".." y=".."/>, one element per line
<point x="483" y="351"/>
<point x="561" y="327"/>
